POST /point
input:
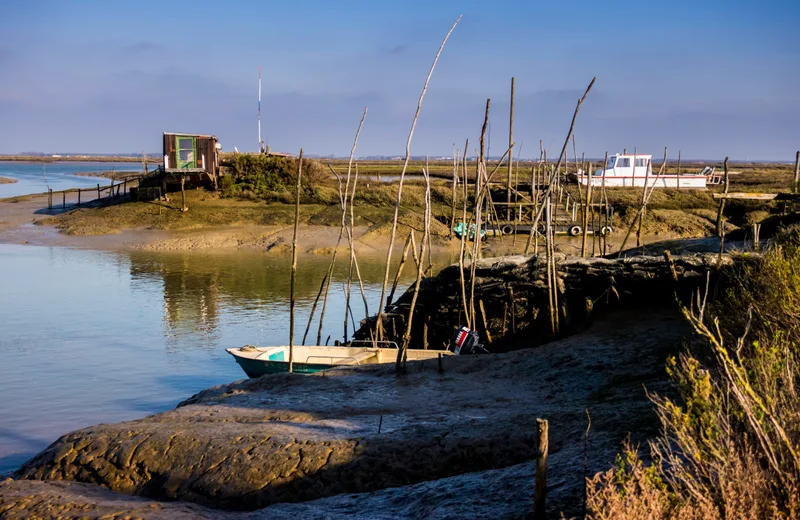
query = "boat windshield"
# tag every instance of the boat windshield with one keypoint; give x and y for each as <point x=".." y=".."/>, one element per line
<point x="610" y="164"/>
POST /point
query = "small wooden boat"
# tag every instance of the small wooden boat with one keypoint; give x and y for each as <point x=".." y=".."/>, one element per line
<point x="258" y="361"/>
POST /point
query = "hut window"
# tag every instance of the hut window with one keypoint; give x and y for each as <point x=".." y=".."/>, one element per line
<point x="186" y="152"/>
<point x="624" y="162"/>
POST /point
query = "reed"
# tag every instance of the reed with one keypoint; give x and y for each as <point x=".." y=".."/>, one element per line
<point x="379" y="320"/>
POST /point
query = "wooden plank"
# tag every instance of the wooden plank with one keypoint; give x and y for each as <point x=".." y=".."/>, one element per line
<point x="746" y="196"/>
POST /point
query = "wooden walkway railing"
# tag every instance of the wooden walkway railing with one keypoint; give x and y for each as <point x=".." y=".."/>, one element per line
<point x="112" y="191"/>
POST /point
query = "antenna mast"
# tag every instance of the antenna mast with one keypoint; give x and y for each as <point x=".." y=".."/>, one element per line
<point x="260" y="142"/>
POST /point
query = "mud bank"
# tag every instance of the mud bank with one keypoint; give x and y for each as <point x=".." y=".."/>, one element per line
<point x="289" y="438"/>
<point x="512" y="302"/>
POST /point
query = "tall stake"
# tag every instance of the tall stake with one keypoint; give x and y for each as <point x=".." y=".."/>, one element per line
<point x="647" y="168"/>
<point x="379" y="320"/>
<point x="540" y="496"/>
<point x="678" y="178"/>
<point x="586" y="212"/>
<point x="722" y="201"/>
<point x="464" y="233"/>
<point x="511" y="153"/>
<point x="402" y="352"/>
<point x="476" y="243"/>
<point x="294" y="261"/>
<point x="560" y="158"/>
<point x="455" y="184"/>
<point x="797" y="172"/>
<point x="606" y="227"/>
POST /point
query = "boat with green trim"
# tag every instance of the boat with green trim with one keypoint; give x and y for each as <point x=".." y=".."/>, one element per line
<point x="258" y="361"/>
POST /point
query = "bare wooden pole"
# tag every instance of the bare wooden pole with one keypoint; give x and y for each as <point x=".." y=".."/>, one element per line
<point x="485" y="322"/>
<point x="647" y="168"/>
<point x="325" y="299"/>
<point x="560" y="158"/>
<point x="586" y="213"/>
<point x="797" y="172"/>
<point x="453" y="200"/>
<point x="542" y="450"/>
<point x="678" y="177"/>
<point x="476" y="243"/>
<point x="721" y="207"/>
<point x="464" y="233"/>
<point x="605" y="206"/>
<point x="548" y="255"/>
<point x="401" y="353"/>
<point x="183" y="192"/>
<point x="399" y="272"/>
<point x="379" y="320"/>
<point x="294" y="261"/>
<point x="511" y="154"/>
<point x="314" y="305"/>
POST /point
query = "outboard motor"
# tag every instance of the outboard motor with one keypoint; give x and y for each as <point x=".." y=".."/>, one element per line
<point x="467" y="343"/>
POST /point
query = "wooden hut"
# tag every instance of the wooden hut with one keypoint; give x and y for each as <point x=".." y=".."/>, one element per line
<point x="191" y="158"/>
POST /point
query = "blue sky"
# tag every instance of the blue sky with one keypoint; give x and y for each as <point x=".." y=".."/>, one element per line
<point x="711" y="78"/>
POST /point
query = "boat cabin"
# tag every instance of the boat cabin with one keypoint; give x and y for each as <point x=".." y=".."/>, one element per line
<point x="193" y="157"/>
<point x="629" y="170"/>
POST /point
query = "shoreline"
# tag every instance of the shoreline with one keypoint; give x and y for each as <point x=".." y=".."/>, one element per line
<point x="6" y="180"/>
<point x="24" y="221"/>
<point x="83" y="158"/>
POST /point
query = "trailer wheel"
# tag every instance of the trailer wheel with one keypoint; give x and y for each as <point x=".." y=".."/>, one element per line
<point x="574" y="231"/>
<point x="507" y="229"/>
<point x="606" y="230"/>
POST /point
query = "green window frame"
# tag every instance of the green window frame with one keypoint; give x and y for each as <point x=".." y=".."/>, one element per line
<point x="186" y="151"/>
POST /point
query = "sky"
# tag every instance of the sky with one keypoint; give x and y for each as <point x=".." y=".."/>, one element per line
<point x="711" y="78"/>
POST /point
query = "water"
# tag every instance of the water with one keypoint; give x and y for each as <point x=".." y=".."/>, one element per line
<point x="89" y="337"/>
<point x="60" y="175"/>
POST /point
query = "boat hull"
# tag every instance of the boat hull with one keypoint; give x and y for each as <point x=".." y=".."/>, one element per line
<point x="259" y="367"/>
<point x="657" y="181"/>
<point x="260" y="361"/>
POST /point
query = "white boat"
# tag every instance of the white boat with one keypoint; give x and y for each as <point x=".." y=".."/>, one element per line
<point x="636" y="170"/>
<point x="258" y="361"/>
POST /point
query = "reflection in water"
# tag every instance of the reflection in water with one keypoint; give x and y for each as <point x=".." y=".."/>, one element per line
<point x="89" y="337"/>
<point x="197" y="288"/>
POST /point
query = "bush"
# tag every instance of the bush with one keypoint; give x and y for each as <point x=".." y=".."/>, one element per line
<point x="271" y="177"/>
<point x="730" y="446"/>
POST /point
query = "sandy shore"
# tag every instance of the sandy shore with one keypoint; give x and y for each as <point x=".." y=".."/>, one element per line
<point x="6" y="180"/>
<point x="21" y="222"/>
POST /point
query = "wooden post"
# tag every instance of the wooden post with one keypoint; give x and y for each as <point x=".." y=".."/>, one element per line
<point x="111" y="189"/>
<point x="125" y="186"/>
<point x="441" y="364"/>
<point x="756" y="236"/>
<point x="722" y="201"/>
<point x="425" y="332"/>
<point x="50" y="198"/>
<point x="183" y="193"/>
<point x="586" y="212"/>
<point x="63" y="200"/>
<point x="453" y="201"/>
<point x="797" y="172"/>
<point x="647" y="169"/>
<point x="510" y="151"/>
<point x="294" y="262"/>
<point x="79" y="196"/>
<point x="485" y="323"/>
<point x="678" y="177"/>
<point x="540" y="496"/>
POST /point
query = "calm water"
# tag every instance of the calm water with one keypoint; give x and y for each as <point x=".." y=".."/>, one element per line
<point x="89" y="337"/>
<point x="60" y="175"/>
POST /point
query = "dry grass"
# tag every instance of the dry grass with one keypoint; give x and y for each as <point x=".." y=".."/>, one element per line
<point x="730" y="446"/>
